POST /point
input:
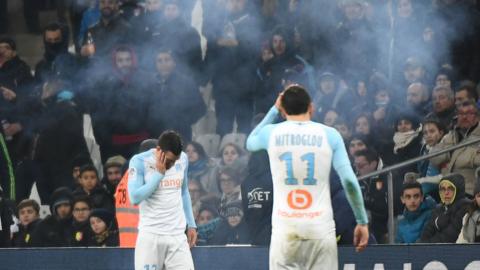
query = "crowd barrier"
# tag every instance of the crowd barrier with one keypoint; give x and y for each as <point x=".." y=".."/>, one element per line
<point x="386" y="257"/>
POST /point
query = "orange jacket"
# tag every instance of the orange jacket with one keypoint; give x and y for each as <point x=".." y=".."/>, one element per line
<point x="127" y="215"/>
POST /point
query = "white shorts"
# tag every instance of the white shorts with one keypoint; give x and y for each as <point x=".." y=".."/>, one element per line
<point x="293" y="253"/>
<point x="162" y="252"/>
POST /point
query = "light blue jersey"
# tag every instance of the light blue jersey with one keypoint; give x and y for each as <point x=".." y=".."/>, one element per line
<point x="164" y="202"/>
<point x="301" y="154"/>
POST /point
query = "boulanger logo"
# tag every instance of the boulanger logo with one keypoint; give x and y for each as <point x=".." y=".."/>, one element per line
<point x="299" y="199"/>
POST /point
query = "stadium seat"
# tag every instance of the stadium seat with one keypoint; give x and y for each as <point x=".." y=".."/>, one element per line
<point x="236" y="138"/>
<point x="210" y="143"/>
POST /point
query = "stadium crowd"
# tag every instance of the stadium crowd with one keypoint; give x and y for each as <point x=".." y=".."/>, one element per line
<point x="398" y="79"/>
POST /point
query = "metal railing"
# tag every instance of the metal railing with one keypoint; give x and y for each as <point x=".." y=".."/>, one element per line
<point x="388" y="171"/>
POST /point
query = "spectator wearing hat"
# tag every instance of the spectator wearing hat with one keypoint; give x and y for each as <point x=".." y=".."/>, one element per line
<point x="56" y="229"/>
<point x="82" y="232"/>
<point x="104" y="232"/>
<point x="446" y="221"/>
<point x="464" y="160"/>
<point x="330" y="95"/>
<point x="407" y="139"/>
<point x="471" y="221"/>
<point x="113" y="173"/>
<point x="28" y="212"/>
<point x="232" y="229"/>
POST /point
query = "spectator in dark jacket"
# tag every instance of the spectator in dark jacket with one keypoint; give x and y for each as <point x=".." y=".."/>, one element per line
<point x="90" y="186"/>
<point x="446" y="222"/>
<point x="57" y="62"/>
<point x="6" y="220"/>
<point x="102" y="224"/>
<point x="113" y="173"/>
<point x="56" y="229"/>
<point x="175" y="101"/>
<point x="257" y="198"/>
<point x="417" y="213"/>
<point x="374" y="192"/>
<point x="81" y="233"/>
<point x="232" y="229"/>
<point x="28" y="212"/>
<point x="58" y="127"/>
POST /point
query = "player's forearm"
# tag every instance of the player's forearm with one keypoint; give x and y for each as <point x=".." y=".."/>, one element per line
<point x="139" y="190"/>
<point x="187" y="208"/>
<point x="353" y="192"/>
<point x="254" y="140"/>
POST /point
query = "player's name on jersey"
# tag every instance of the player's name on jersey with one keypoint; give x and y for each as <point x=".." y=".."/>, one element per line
<point x="298" y="140"/>
<point x="171" y="183"/>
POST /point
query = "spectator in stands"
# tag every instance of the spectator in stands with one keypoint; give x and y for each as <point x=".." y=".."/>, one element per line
<point x="433" y="132"/>
<point x="15" y="86"/>
<point x="57" y="126"/>
<point x="464" y="160"/>
<point x="57" y="62"/>
<point x="196" y="193"/>
<point x="417" y="212"/>
<point x="151" y="17"/>
<point x="201" y="167"/>
<point x="229" y="179"/>
<point x="207" y="223"/>
<point x="414" y="71"/>
<point x="28" y="212"/>
<point x="407" y="141"/>
<point x="446" y="221"/>
<point x="77" y="163"/>
<point x="356" y="49"/>
<point x="177" y="34"/>
<point x="231" y="34"/>
<point x="56" y="229"/>
<point x="120" y="126"/>
<point x="82" y="232"/>
<point x="374" y="192"/>
<point x="175" y="101"/>
<point x="329" y="94"/>
<point x="257" y="198"/>
<point x="343" y="128"/>
<point x="418" y="99"/>
<point x="329" y="118"/>
<point x="363" y="99"/>
<point x="90" y="186"/>
<point x="232" y="229"/>
<point x="113" y="169"/>
<point x="466" y="91"/>
<point x="470" y="232"/>
<point x="6" y="214"/>
<point x="444" y="77"/>
<point x="443" y="105"/>
<point x="362" y="124"/>
<point x="357" y="143"/>
<point x="90" y="17"/>
<point x="103" y="226"/>
<point x="110" y="31"/>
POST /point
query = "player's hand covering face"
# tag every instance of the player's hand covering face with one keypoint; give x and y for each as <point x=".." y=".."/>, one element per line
<point x="165" y="160"/>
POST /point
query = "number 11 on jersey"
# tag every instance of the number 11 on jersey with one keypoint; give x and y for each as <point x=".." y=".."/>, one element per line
<point x="309" y="158"/>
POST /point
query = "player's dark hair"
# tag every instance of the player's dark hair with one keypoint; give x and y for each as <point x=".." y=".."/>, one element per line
<point x="369" y="154"/>
<point x="170" y="141"/>
<point x="88" y="168"/>
<point x="295" y="100"/>
<point x="411" y="185"/>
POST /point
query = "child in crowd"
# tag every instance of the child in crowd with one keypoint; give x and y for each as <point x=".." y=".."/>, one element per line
<point x="416" y="214"/>
<point x="81" y="226"/>
<point x="90" y="186"/>
<point x="102" y="225"/>
<point x="28" y="212"/>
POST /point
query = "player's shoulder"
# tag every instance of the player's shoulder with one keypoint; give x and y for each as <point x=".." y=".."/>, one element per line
<point x="183" y="157"/>
<point x="141" y="157"/>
